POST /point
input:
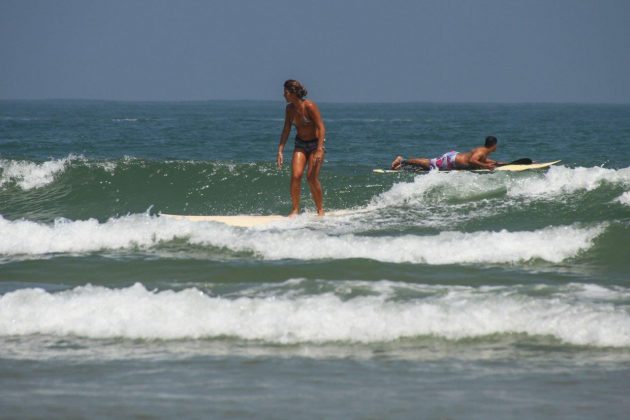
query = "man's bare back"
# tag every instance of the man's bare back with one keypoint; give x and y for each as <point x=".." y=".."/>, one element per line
<point x="476" y="158"/>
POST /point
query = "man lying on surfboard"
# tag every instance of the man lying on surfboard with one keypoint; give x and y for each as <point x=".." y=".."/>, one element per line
<point x="477" y="158"/>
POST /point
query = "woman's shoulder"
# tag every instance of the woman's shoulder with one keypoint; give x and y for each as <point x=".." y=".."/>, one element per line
<point x="310" y="105"/>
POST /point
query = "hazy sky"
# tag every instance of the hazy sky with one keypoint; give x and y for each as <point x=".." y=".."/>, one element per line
<point x="342" y="50"/>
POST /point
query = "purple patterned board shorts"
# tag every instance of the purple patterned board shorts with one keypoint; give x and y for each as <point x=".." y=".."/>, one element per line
<point x="444" y="163"/>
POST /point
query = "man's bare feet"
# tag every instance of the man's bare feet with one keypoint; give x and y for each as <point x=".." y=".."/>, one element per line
<point x="397" y="163"/>
<point x="293" y="213"/>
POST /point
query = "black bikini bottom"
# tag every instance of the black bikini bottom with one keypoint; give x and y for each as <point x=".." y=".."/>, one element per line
<point x="309" y="146"/>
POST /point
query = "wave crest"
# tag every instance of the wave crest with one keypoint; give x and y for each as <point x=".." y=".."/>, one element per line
<point x="294" y="239"/>
<point x="455" y="313"/>
<point x="29" y="175"/>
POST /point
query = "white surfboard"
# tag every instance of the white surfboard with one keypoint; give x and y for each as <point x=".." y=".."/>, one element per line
<point x="507" y="168"/>
<point x="241" y="220"/>
<point x="519" y="168"/>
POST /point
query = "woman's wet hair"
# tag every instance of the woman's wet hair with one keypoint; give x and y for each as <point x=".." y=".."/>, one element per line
<point x="295" y="88"/>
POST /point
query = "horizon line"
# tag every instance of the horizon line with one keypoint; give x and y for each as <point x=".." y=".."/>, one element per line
<point x="368" y="102"/>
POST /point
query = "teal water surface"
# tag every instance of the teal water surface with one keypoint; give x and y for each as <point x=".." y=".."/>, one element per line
<point x="450" y="295"/>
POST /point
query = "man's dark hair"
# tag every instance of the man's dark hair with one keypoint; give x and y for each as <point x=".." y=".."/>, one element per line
<point x="491" y="141"/>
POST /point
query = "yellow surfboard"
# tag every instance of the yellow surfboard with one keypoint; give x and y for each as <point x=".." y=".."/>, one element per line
<point x="519" y="168"/>
<point x="240" y="220"/>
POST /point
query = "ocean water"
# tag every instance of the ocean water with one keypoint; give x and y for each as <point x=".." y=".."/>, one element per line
<point x="438" y="295"/>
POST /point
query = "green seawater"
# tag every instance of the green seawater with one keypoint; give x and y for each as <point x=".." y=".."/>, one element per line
<point x="451" y="295"/>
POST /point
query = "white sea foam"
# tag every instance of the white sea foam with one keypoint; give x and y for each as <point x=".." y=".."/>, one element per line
<point x="66" y="236"/>
<point x="28" y="175"/>
<point x="436" y="188"/>
<point x="448" y="312"/>
<point x="624" y="198"/>
<point x="551" y="244"/>
<point x="564" y="180"/>
<point x="295" y="240"/>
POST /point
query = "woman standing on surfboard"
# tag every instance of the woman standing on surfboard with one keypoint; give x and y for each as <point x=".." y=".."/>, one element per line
<point x="309" y="144"/>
